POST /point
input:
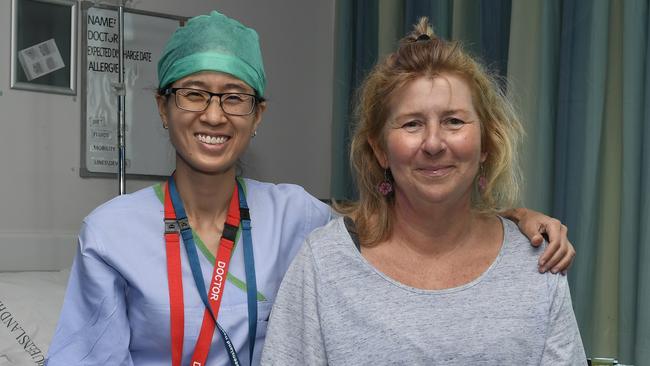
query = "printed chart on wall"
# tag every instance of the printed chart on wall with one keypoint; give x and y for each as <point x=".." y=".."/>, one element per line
<point x="148" y="151"/>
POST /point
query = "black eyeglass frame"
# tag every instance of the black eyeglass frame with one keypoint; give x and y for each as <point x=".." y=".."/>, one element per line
<point x="256" y="99"/>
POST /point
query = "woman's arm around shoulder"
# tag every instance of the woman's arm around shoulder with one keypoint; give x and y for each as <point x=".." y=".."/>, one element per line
<point x="559" y="253"/>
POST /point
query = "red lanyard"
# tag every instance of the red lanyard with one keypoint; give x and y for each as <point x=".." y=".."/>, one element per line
<point x="175" y="281"/>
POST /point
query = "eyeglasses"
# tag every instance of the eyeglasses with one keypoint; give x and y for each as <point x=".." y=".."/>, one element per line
<point x="197" y="100"/>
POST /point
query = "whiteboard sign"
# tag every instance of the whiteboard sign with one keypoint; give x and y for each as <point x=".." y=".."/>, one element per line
<point x="148" y="151"/>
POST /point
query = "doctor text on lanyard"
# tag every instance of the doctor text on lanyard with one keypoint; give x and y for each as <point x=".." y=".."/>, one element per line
<point x="176" y="221"/>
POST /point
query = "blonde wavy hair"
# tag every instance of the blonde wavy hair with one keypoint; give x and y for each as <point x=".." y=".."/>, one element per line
<point x="419" y="54"/>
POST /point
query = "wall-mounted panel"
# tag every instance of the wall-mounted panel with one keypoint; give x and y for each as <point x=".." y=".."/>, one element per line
<point x="148" y="151"/>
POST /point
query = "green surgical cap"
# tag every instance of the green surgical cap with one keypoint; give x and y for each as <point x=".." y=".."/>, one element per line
<point x="213" y="43"/>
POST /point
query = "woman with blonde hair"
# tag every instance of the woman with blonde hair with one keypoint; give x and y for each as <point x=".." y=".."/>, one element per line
<point x="423" y="269"/>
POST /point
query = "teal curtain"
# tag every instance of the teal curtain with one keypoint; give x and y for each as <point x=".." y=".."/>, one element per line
<point x="578" y="131"/>
<point x="483" y="25"/>
<point x="579" y="73"/>
<point x="355" y="52"/>
<point x="495" y="34"/>
<point x="533" y="64"/>
<point x="588" y="125"/>
<point x="440" y="13"/>
<point x="634" y="291"/>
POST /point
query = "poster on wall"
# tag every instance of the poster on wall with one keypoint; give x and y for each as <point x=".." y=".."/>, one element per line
<point x="148" y="151"/>
<point x="43" y="46"/>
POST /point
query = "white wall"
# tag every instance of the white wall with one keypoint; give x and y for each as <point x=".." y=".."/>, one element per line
<point x="42" y="197"/>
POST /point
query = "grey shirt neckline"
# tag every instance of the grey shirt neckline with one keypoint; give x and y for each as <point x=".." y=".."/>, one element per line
<point x="348" y="227"/>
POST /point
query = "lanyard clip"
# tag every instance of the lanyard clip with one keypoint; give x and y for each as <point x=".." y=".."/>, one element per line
<point x="171" y="226"/>
<point x="229" y="232"/>
<point x="244" y="214"/>
<point x="184" y="224"/>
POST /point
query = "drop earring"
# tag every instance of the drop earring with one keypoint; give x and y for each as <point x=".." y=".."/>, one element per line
<point x="385" y="187"/>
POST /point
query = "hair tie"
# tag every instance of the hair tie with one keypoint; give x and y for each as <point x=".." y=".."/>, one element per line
<point x="423" y="37"/>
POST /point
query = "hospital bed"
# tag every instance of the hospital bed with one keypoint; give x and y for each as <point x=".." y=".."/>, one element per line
<point x="33" y="278"/>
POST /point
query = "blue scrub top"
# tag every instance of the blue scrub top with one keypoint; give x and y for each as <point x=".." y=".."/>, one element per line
<point x="116" y="308"/>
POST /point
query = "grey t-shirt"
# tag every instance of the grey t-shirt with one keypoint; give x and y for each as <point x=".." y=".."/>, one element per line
<point x="334" y="308"/>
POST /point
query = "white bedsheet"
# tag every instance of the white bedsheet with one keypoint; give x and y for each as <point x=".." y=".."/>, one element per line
<point x="30" y="303"/>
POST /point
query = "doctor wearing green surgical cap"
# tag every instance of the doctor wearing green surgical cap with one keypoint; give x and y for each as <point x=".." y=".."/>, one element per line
<point x="156" y="268"/>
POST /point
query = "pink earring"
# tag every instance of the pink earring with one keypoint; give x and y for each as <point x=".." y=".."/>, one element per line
<point x="385" y="187"/>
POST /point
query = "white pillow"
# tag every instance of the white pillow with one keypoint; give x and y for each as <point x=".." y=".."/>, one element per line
<point x="30" y="303"/>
